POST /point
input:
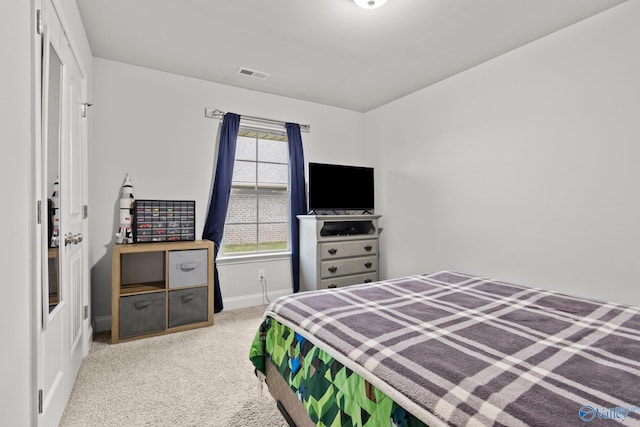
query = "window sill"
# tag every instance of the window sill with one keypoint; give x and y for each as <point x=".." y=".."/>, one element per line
<point x="240" y="259"/>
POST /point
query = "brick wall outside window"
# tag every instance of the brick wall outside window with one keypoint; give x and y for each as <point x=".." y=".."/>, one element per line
<point x="258" y="212"/>
<point x="273" y="208"/>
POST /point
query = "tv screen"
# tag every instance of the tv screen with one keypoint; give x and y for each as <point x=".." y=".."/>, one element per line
<point x="339" y="187"/>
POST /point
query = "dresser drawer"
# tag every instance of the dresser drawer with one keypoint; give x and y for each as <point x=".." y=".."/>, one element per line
<point x="188" y="268"/>
<point x="142" y="314"/>
<point x="331" y="250"/>
<point x="187" y="306"/>
<point x="348" y="266"/>
<point x="357" y="279"/>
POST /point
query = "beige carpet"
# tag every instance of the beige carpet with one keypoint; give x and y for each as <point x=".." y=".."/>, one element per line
<point x="201" y="377"/>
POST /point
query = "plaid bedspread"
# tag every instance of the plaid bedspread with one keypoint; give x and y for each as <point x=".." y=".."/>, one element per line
<point x="454" y="349"/>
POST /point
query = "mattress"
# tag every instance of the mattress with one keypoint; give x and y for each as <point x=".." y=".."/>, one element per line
<point x="453" y="349"/>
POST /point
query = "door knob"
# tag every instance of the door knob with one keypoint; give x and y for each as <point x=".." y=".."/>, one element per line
<point x="70" y="238"/>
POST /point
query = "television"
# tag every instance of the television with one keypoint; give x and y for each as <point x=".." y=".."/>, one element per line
<point x="340" y="187"/>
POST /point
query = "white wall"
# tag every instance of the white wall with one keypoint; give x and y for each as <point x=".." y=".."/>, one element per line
<point x="152" y="125"/>
<point x="524" y="168"/>
<point x="521" y="168"/>
<point x="15" y="167"/>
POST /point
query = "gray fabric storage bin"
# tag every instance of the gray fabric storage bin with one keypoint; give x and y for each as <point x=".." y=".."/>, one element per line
<point x="188" y="268"/>
<point x="142" y="314"/>
<point x="188" y="306"/>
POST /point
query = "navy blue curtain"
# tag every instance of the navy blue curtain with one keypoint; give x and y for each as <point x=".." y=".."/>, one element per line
<point x="214" y="226"/>
<point x="298" y="201"/>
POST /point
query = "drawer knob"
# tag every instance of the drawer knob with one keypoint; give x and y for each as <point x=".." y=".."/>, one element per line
<point x="368" y="280"/>
<point x="333" y="269"/>
<point x="333" y="251"/>
<point x="368" y="264"/>
<point x="368" y="248"/>
<point x="332" y="286"/>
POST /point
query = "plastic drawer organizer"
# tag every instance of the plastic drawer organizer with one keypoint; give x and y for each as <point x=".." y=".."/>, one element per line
<point x="161" y="288"/>
<point x="164" y="220"/>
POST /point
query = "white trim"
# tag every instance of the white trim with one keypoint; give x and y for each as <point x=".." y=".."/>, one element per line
<point x="252" y="300"/>
<point x="252" y="258"/>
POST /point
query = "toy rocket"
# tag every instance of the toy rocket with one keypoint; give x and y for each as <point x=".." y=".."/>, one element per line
<point x="55" y="214"/>
<point x="125" y="233"/>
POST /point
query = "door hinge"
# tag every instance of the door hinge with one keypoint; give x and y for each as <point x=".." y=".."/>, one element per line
<point x="84" y="107"/>
<point x="39" y="23"/>
<point x="86" y="312"/>
<point x="39" y="212"/>
<point x="85" y="211"/>
<point x="40" y="401"/>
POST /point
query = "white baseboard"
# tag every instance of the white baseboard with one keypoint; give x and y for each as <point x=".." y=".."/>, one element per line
<point x="252" y="300"/>
<point x="103" y="323"/>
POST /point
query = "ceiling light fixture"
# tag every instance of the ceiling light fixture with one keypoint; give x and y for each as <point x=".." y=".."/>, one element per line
<point x="370" y="4"/>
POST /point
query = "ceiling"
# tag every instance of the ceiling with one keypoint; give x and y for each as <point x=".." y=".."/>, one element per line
<point x="325" y="51"/>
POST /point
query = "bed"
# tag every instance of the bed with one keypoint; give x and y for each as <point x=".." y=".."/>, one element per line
<point x="452" y="349"/>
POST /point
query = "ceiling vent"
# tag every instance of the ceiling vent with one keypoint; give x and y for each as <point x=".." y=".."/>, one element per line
<point x="253" y="73"/>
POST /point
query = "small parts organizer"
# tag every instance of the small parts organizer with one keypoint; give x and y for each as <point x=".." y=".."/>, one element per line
<point x="164" y="220"/>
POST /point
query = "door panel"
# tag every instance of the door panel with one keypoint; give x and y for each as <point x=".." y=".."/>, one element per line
<point x="72" y="184"/>
<point x="53" y="369"/>
<point x="51" y="349"/>
<point x="62" y="332"/>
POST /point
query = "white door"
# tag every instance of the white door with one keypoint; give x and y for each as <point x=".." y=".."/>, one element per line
<point x="72" y="182"/>
<point x="62" y="332"/>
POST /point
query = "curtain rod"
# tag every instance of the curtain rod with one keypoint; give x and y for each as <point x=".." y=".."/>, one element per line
<point x="219" y="114"/>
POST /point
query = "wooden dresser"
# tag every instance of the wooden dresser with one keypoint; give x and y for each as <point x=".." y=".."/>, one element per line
<point x="338" y="250"/>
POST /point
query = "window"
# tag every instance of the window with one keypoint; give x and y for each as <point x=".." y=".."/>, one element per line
<point x="258" y="213"/>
